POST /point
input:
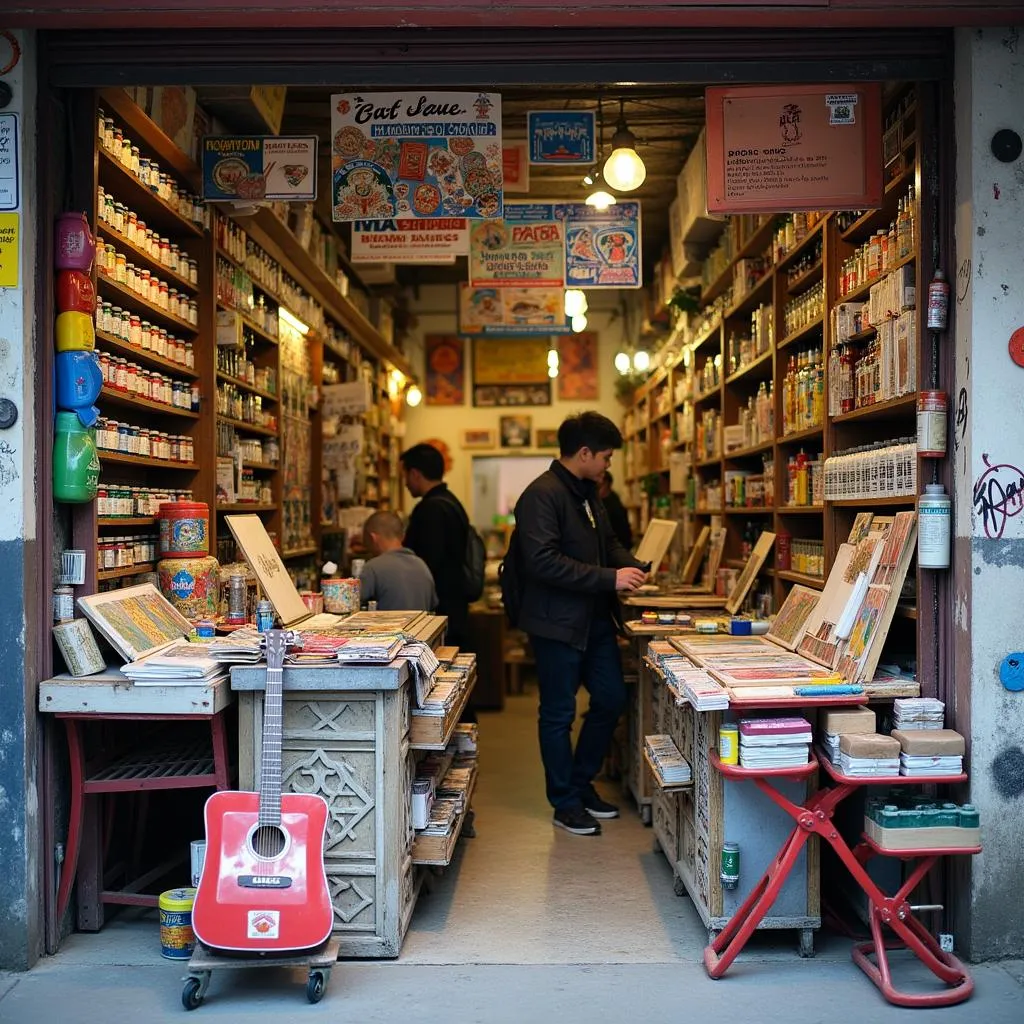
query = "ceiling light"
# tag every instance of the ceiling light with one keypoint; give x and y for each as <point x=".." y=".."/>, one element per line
<point x="579" y="323"/>
<point x="292" y="321"/>
<point x="552" y="372"/>
<point x="601" y="199"/>
<point x="624" y="170"/>
<point x="588" y="179"/>
<point x="575" y="302"/>
<point x="552" y="357"/>
<point x="622" y="362"/>
<point x="641" y="360"/>
<point x="413" y="397"/>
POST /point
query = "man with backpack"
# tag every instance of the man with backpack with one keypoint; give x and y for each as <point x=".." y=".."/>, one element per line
<point x="559" y="582"/>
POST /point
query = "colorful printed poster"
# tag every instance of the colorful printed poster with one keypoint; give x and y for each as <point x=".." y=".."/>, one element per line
<point x="577" y="368"/>
<point x="256" y="167"/>
<point x="512" y="311"/>
<point x="416" y="154"/>
<point x="496" y="361"/>
<point x="515" y="161"/>
<point x="446" y="370"/>
<point x="409" y="241"/>
<point x="561" y="136"/>
<point x="602" y="247"/>
<point x="525" y="249"/>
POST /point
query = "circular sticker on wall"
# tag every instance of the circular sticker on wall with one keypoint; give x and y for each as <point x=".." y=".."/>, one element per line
<point x="1017" y="346"/>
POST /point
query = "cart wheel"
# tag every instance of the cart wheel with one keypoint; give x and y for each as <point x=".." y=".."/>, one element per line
<point x="806" y="943"/>
<point x="315" y="986"/>
<point x="191" y="994"/>
<point x="678" y="888"/>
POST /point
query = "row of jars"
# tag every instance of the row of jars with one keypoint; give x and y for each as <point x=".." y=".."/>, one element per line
<point x="114" y="501"/>
<point x="162" y="250"/>
<point x="120" y="146"/>
<point x="147" y="286"/>
<point x="805" y="308"/>
<point x="128" y="439"/>
<point x="138" y="382"/>
<point x="235" y="362"/>
<point x="125" y="552"/>
<point x="243" y="406"/>
<point x="141" y="334"/>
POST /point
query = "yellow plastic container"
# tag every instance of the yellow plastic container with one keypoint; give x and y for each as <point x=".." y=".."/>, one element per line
<point x="75" y="331"/>
<point x="177" y="940"/>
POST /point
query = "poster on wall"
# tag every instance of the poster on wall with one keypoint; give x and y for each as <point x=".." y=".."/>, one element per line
<point x="446" y="369"/>
<point x="561" y="137"/>
<point x="577" y="368"/>
<point x="515" y="167"/>
<point x="501" y="361"/>
<point x="417" y="154"/>
<point x="794" y="147"/>
<point x="602" y="247"/>
<point x="526" y="249"/>
<point x="512" y="311"/>
<point x="409" y="241"/>
<point x="243" y="168"/>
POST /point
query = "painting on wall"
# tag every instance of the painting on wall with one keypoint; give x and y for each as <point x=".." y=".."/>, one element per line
<point x="492" y="396"/>
<point x="577" y="367"/>
<point x="515" y="431"/>
<point x="479" y="438"/>
<point x="546" y="437"/>
<point x="504" y="361"/>
<point x="446" y="370"/>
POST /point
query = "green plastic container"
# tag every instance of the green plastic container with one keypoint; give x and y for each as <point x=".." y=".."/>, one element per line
<point x="76" y="464"/>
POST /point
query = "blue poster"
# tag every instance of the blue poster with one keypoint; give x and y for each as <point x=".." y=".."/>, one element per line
<point x="258" y="167"/>
<point x="561" y="136"/>
<point x="602" y="247"/>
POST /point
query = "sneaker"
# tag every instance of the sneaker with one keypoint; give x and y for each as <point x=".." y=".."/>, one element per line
<point x="577" y="821"/>
<point x="598" y="808"/>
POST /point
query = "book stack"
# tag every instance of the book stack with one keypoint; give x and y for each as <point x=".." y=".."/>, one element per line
<point x="703" y="692"/>
<point x="839" y="722"/>
<point x="443" y="815"/>
<point x="440" y="698"/>
<point x="315" y="649"/>
<point x="456" y="784"/>
<point x="423" y="664"/>
<point x="774" y="742"/>
<point x="930" y="752"/>
<point x="465" y="738"/>
<point x="375" y="649"/>
<point x="665" y="759"/>
<point x="911" y="713"/>
<point x="868" y="755"/>
<point x="181" y="664"/>
<point x="240" y="647"/>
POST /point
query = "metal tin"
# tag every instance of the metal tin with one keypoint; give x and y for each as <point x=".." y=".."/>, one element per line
<point x="177" y="940"/>
<point x="206" y="629"/>
<point x="237" y="590"/>
<point x="264" y="616"/>
<point x="63" y="604"/>
<point x="729" y="743"/>
<point x="730" y="874"/>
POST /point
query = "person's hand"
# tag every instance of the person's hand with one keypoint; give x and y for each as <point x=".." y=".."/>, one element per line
<point x="629" y="578"/>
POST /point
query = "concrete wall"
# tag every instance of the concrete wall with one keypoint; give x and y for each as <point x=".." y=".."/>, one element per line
<point x="988" y="435"/>
<point x="19" y="839"/>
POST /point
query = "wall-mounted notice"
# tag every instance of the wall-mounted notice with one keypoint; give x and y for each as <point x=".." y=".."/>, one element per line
<point x="512" y="312"/>
<point x="794" y="147"/>
<point x="524" y="250"/>
<point x="561" y="137"/>
<point x="9" y="198"/>
<point x="409" y="241"/>
<point x="257" y="167"/>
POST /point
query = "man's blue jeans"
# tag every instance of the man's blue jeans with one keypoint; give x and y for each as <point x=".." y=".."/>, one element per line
<point x="561" y="670"/>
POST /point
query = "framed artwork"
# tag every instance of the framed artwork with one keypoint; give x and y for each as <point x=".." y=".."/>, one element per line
<point x="577" y="367"/>
<point x="546" y="437"/>
<point x="515" y="431"/>
<point x="481" y="438"/>
<point x="493" y="396"/>
<point x="505" y="361"/>
<point x="446" y="369"/>
<point x="789" y="625"/>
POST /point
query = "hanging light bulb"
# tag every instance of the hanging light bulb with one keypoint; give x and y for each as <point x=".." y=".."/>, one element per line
<point x="413" y="397"/>
<point x="552" y="372"/>
<point x="601" y="199"/>
<point x="579" y="323"/>
<point x="622" y="362"/>
<point x="624" y="170"/>
<point x="552" y="357"/>
<point x="575" y="302"/>
<point x="641" y="360"/>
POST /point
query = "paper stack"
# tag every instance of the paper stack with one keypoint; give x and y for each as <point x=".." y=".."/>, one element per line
<point x="315" y="649"/>
<point x="703" y="692"/>
<point x="868" y="755"/>
<point x="464" y="739"/>
<point x="930" y="752"/>
<point x="839" y="722"/>
<point x="918" y="713"/>
<point x="181" y="664"/>
<point x="774" y="742"/>
<point x="241" y="647"/>
<point x="665" y="758"/>
<point x="456" y="785"/>
<point x="442" y="695"/>
<point x="372" y="649"/>
<point x="443" y="814"/>
<point x="424" y="666"/>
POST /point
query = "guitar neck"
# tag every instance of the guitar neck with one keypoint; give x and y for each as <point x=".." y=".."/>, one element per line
<point x="270" y="769"/>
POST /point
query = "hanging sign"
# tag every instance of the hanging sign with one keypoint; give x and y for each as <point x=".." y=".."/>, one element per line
<point x="244" y="168"/>
<point x="9" y="198"/>
<point x="416" y="154"/>
<point x="525" y="249"/>
<point x="561" y="137"/>
<point x="794" y="147"/>
<point x="512" y="312"/>
<point x="515" y="164"/>
<point x="409" y="241"/>
<point x="602" y="247"/>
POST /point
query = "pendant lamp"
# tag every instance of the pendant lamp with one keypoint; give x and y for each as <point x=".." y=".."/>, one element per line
<point x="624" y="170"/>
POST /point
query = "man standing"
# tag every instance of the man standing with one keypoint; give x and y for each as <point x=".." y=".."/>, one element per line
<point x="617" y="514"/>
<point x="438" y="531"/>
<point x="396" y="578"/>
<point x="571" y="565"/>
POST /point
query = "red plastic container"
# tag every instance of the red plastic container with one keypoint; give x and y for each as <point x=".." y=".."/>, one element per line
<point x="75" y="292"/>
<point x="184" y="529"/>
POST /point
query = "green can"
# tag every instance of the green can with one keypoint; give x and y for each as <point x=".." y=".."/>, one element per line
<point x="730" y="874"/>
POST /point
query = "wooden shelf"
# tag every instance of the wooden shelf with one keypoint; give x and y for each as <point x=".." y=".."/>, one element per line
<point x="260" y="467"/>
<point x="705" y="463"/>
<point x="438" y="851"/>
<point x="434" y="732"/>
<point x="144" y="358"/>
<point x="800" y="510"/>
<point x="246" y="506"/>
<point x="300" y="552"/>
<point x="904" y="500"/>
<point x="269" y="292"/>
<point x="802" y="246"/>
<point x="707" y="511"/>
<point x="872" y="220"/>
<point x="808" y="329"/>
<point x="256" y="329"/>
<point x="332" y="529"/>
<point x="705" y="396"/>
<point x="133" y="570"/>
<point x="140" y="199"/>
<point x="148" y="262"/>
<point x="115" y="521"/>
<point x="816" y="582"/>
<point x="111" y="397"/>
<point x="880" y="410"/>
<point x="746" y="453"/>
<point x="138" y="460"/>
<point x="758" y="510"/>
<point x="800" y="435"/>
<point x="250" y="428"/>
<point x="754" y="371"/>
<point x="718" y="286"/>
<point x="146" y="309"/>
<point x="242" y="385"/>
<point x="666" y="787"/>
<point x="703" y="339"/>
<point x="906" y="611"/>
<point x="807" y="278"/>
<point x="861" y="292"/>
<point x="755" y="297"/>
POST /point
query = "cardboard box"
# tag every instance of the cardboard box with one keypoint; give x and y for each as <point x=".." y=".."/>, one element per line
<point x="869" y="745"/>
<point x="849" y="720"/>
<point x="930" y="742"/>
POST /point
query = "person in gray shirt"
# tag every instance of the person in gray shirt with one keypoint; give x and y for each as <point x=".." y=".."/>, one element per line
<point x="396" y="578"/>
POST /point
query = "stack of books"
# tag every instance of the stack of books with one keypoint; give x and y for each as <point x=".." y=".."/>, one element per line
<point x="181" y="664"/>
<point x="703" y="692"/>
<point x="240" y="647"/>
<point x="375" y="649"/>
<point x="666" y="760"/>
<point x="868" y="755"/>
<point x="838" y="722"/>
<point x="918" y="713"/>
<point x="930" y="752"/>
<point x="440" y="698"/>
<point x="774" y="742"/>
<point x="443" y="815"/>
<point x="465" y="738"/>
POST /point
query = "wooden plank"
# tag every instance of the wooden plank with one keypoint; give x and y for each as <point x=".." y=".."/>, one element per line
<point x="111" y="693"/>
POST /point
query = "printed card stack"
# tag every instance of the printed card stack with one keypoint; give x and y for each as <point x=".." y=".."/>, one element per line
<point x="911" y="713"/>
<point x="774" y="742"/>
<point x="867" y="756"/>
<point x="371" y="649"/>
<point x="838" y="722"/>
<point x="666" y="760"/>
<point x="930" y="752"/>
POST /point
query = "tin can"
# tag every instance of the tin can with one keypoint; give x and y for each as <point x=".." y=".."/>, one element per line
<point x="63" y="604"/>
<point x="932" y="424"/>
<point x="206" y="629"/>
<point x="177" y="940"/>
<point x="264" y="616"/>
<point x="729" y="743"/>
<point x="237" y="589"/>
<point x="730" y="874"/>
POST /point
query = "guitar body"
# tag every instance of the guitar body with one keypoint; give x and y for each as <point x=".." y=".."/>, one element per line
<point x="263" y="888"/>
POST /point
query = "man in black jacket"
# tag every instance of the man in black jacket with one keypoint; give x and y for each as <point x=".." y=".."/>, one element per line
<point x="571" y="566"/>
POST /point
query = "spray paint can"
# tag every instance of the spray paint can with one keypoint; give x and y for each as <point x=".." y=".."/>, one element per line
<point x="938" y="302"/>
<point x="730" y="874"/>
<point x="934" y="528"/>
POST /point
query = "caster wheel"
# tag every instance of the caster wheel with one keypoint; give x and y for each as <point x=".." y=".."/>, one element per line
<point x="678" y="888"/>
<point x="190" y="994"/>
<point x="315" y="986"/>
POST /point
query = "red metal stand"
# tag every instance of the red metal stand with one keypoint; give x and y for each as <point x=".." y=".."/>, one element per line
<point x="895" y="912"/>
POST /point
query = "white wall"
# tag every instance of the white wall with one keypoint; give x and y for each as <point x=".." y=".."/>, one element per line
<point x="988" y="432"/>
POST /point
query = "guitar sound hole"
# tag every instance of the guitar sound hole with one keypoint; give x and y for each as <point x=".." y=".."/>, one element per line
<point x="268" y="841"/>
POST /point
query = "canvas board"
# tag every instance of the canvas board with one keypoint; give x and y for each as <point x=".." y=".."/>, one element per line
<point x="746" y="579"/>
<point x="789" y="624"/>
<point x="136" y="621"/>
<point x="655" y="543"/>
<point x="696" y="555"/>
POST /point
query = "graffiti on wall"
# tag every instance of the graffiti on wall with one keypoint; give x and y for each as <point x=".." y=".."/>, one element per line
<point x="998" y="496"/>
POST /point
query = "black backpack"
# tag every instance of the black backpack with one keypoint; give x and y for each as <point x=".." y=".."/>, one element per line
<point x="474" y="560"/>
<point x="511" y="582"/>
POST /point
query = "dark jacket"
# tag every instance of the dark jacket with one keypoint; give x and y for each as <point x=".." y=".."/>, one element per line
<point x="567" y="560"/>
<point x="619" y="519"/>
<point x="437" y="532"/>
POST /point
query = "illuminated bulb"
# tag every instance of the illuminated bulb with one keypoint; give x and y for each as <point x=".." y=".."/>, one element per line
<point x="624" y="170"/>
<point x="413" y="397"/>
<point x="600" y="199"/>
<point x="552" y="357"/>
<point x="588" y="179"/>
<point x="575" y="302"/>
<point x="579" y="323"/>
<point x="552" y="371"/>
<point x="641" y="360"/>
<point x="622" y="362"/>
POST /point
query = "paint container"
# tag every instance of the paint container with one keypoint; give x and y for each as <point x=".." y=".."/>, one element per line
<point x="341" y="597"/>
<point x="666" y="618"/>
<point x="730" y="874"/>
<point x="206" y="629"/>
<point x="264" y="616"/>
<point x="729" y="743"/>
<point x="63" y="604"/>
<point x="177" y="940"/>
<point x="184" y="529"/>
<point x="192" y="585"/>
<point x="934" y="528"/>
<point x="649" y="618"/>
<point x="932" y="424"/>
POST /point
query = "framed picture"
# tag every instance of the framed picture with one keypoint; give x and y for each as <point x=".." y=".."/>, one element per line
<point x="482" y="438"/>
<point x="546" y="437"/>
<point x="446" y="370"/>
<point x="577" y="369"/>
<point x="493" y="396"/>
<point x="515" y="431"/>
<point x="505" y="361"/>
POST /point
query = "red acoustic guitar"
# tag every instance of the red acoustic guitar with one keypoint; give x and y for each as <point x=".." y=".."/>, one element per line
<point x="263" y="888"/>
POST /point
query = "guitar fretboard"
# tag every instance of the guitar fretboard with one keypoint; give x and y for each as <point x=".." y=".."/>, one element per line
<point x="270" y="768"/>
